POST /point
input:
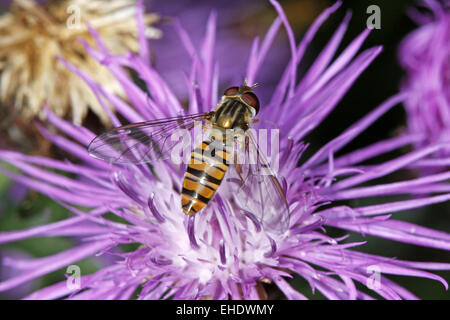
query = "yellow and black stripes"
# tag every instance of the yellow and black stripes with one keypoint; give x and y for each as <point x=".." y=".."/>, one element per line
<point x="209" y="161"/>
<point x="204" y="174"/>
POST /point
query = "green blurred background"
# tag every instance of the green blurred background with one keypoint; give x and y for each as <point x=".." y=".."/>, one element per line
<point x="377" y="83"/>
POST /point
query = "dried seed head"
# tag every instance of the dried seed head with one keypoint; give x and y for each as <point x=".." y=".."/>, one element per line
<point x="33" y="36"/>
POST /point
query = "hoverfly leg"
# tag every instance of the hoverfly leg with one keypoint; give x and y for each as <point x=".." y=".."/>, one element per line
<point x="237" y="163"/>
<point x="238" y="168"/>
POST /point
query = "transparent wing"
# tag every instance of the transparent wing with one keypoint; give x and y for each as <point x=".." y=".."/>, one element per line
<point x="256" y="187"/>
<point x="144" y="141"/>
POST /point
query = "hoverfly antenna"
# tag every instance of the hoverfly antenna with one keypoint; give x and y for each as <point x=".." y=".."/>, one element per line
<point x="247" y="86"/>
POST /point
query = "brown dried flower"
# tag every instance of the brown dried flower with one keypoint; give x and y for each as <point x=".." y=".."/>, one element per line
<point x="32" y="36"/>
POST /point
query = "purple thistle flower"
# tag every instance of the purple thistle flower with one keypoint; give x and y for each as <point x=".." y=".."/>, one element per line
<point x="231" y="63"/>
<point x="425" y="55"/>
<point x="223" y="252"/>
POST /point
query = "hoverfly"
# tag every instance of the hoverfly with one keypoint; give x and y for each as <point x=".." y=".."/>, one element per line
<point x="258" y="195"/>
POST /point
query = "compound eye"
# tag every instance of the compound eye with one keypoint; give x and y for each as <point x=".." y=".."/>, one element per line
<point x="252" y="100"/>
<point x="231" y="91"/>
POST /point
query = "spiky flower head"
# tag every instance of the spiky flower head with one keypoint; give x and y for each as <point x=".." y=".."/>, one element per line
<point x="34" y="35"/>
<point x="425" y="55"/>
<point x="223" y="252"/>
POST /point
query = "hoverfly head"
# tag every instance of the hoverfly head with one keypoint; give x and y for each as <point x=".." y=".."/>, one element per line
<point x="245" y="94"/>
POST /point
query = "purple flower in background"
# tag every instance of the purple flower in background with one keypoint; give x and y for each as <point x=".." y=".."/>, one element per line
<point x="231" y="44"/>
<point x="425" y="55"/>
<point x="223" y="253"/>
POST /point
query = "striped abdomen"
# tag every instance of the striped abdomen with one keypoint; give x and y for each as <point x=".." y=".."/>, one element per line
<point x="204" y="174"/>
